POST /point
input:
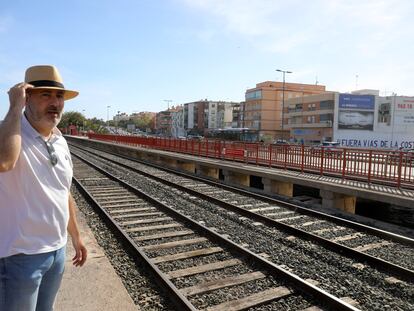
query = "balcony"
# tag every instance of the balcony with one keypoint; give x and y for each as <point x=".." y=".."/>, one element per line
<point x="296" y="113"/>
<point x="326" y="124"/>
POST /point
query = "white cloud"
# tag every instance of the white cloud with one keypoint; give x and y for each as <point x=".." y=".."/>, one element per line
<point x="332" y="39"/>
<point x="255" y="20"/>
<point x="281" y="26"/>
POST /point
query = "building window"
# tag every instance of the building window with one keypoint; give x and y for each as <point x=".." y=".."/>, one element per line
<point x="326" y="117"/>
<point x="327" y="104"/>
<point x="295" y="120"/>
<point x="254" y="95"/>
<point x="384" y="114"/>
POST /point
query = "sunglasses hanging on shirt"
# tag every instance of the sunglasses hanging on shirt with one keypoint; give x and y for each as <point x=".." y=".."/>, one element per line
<point x="52" y="153"/>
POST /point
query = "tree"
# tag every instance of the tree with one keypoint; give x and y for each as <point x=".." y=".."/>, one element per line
<point x="96" y="125"/>
<point x="143" y="121"/>
<point x="78" y="119"/>
<point x="71" y="118"/>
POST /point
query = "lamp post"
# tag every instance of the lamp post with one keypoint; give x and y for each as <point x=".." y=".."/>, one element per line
<point x="107" y="116"/>
<point x="117" y="121"/>
<point x="83" y="113"/>
<point x="283" y="96"/>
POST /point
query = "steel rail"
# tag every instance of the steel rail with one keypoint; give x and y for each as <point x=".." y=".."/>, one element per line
<point x="376" y="262"/>
<point x="294" y="207"/>
<point x="297" y="282"/>
<point x="177" y="298"/>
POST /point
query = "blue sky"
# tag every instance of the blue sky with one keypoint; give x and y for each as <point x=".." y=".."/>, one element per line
<point x="133" y="55"/>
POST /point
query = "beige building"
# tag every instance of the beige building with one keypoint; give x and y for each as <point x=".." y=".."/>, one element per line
<point x="311" y="118"/>
<point x="263" y="106"/>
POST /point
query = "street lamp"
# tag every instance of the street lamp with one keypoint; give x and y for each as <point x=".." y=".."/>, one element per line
<point x="117" y="121"/>
<point x="107" y="116"/>
<point x="83" y="113"/>
<point x="283" y="96"/>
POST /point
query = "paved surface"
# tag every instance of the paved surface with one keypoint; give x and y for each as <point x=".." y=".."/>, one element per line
<point x="96" y="285"/>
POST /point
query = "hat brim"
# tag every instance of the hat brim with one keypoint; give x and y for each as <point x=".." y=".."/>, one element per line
<point x="68" y="94"/>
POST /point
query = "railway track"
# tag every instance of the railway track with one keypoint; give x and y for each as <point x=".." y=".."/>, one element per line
<point x="265" y="210"/>
<point x="177" y="249"/>
<point x="352" y="239"/>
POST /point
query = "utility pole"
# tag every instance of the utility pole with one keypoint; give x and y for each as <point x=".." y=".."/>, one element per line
<point x="283" y="97"/>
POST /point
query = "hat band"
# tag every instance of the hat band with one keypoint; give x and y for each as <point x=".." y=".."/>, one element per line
<point x="40" y="83"/>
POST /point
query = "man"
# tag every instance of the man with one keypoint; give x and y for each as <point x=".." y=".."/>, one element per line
<point x="36" y="207"/>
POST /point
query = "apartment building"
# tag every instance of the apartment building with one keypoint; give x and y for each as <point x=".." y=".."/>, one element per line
<point x="263" y="106"/>
<point x="194" y="117"/>
<point x="204" y="115"/>
<point x="163" y="123"/>
<point x="361" y="119"/>
<point x="177" y="122"/>
<point x="310" y="118"/>
<point x="237" y="115"/>
<point x="121" y="116"/>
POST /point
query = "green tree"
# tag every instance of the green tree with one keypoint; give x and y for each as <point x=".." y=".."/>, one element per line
<point x="71" y="118"/>
<point x="79" y="120"/>
<point x="143" y="122"/>
<point x="96" y="125"/>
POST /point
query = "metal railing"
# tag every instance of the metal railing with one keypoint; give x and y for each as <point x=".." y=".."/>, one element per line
<point x="394" y="168"/>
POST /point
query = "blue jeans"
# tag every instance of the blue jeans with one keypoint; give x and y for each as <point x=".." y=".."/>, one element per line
<point x="31" y="282"/>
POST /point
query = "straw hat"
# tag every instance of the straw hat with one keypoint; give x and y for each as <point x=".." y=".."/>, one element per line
<point x="47" y="77"/>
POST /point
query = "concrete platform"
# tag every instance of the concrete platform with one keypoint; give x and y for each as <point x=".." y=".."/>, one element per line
<point x="375" y="192"/>
<point x="95" y="286"/>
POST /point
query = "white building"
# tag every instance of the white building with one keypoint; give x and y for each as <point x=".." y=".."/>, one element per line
<point x="177" y="123"/>
<point x="204" y="115"/>
<point x="219" y="114"/>
<point x="121" y="116"/>
<point x="372" y="121"/>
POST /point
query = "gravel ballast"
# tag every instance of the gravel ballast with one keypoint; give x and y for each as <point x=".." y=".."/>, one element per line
<point x="334" y="273"/>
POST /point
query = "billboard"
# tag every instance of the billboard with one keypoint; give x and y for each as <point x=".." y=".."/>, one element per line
<point x="356" y="120"/>
<point x="356" y="112"/>
<point x="392" y="118"/>
<point x="350" y="101"/>
<point x="404" y="111"/>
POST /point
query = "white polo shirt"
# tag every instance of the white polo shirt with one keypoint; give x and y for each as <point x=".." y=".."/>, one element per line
<point x="34" y="210"/>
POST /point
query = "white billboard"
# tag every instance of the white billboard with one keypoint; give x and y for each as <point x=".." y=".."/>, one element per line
<point x="390" y="124"/>
<point x="349" y="119"/>
<point x="404" y="112"/>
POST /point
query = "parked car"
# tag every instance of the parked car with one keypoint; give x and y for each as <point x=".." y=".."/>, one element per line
<point x="281" y="142"/>
<point x="197" y="137"/>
